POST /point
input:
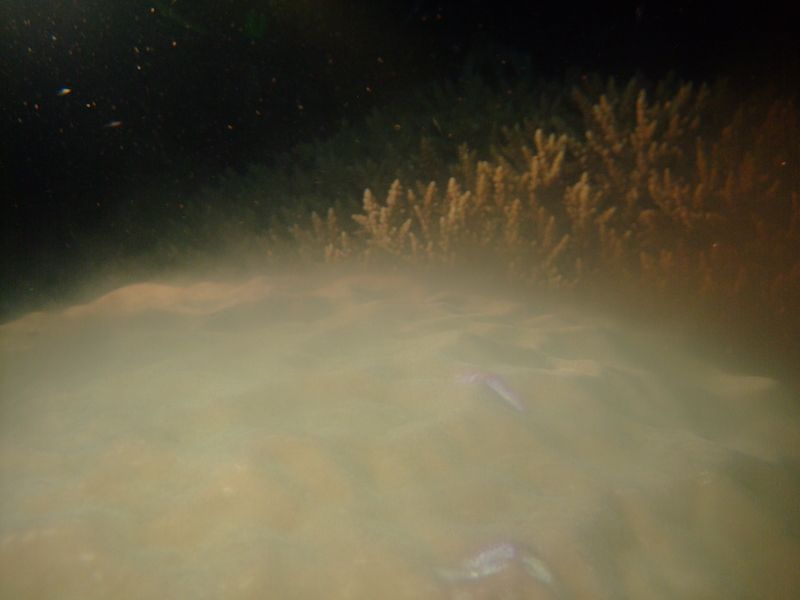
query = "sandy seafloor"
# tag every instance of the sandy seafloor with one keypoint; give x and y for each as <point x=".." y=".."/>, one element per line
<point x="305" y="437"/>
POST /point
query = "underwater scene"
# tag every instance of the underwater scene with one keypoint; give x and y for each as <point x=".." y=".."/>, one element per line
<point x="430" y="299"/>
<point x="373" y="436"/>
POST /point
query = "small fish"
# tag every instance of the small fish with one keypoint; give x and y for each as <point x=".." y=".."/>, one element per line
<point x="64" y="91"/>
<point x="488" y="562"/>
<point x="496" y="383"/>
<point x="537" y="569"/>
<point x="112" y="125"/>
<point x="494" y="559"/>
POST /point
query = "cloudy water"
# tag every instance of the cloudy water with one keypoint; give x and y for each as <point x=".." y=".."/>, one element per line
<point x="376" y="437"/>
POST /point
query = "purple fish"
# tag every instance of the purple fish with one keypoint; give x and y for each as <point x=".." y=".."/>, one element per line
<point x="494" y="559"/>
<point x="496" y="383"/>
<point x="488" y="562"/>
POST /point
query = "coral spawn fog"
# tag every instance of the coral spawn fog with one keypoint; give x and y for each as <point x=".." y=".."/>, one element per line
<point x="433" y="299"/>
<point x="307" y="436"/>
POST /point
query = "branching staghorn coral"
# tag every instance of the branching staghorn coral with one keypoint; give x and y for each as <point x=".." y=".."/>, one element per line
<point x="678" y="192"/>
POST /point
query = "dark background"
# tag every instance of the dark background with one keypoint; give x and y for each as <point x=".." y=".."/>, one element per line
<point x="170" y="94"/>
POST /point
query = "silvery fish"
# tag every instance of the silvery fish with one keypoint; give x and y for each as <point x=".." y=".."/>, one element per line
<point x="496" y="383"/>
<point x="537" y="569"/>
<point x="494" y="559"/>
<point x="488" y="562"/>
